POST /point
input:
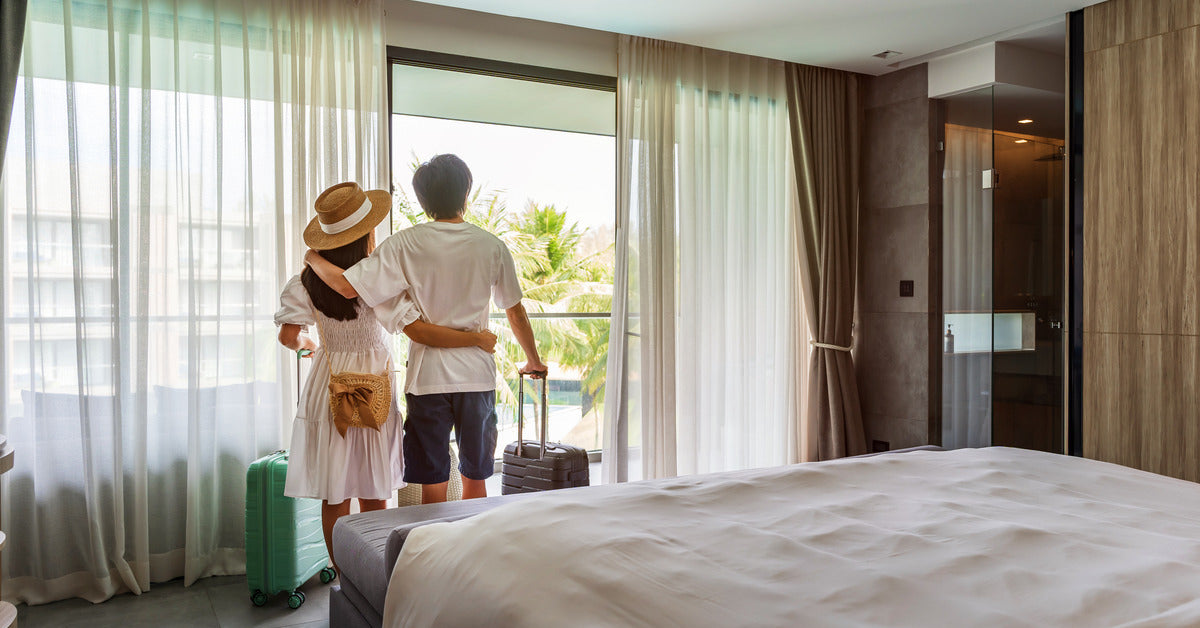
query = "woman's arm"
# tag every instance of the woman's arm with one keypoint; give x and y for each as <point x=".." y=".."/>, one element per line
<point x="290" y="337"/>
<point x="437" y="336"/>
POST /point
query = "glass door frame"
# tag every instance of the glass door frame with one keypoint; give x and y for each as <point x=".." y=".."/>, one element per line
<point x="397" y="55"/>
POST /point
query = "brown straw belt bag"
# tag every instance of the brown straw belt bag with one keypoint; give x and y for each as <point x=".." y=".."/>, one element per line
<point x="357" y="399"/>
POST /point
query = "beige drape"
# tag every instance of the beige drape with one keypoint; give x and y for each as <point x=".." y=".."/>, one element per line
<point x="823" y="107"/>
<point x="12" y="33"/>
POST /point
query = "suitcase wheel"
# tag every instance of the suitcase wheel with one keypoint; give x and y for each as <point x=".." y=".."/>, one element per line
<point x="258" y="598"/>
<point x="328" y="574"/>
<point x="295" y="599"/>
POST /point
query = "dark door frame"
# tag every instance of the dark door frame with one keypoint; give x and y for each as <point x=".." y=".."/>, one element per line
<point x="1074" y="340"/>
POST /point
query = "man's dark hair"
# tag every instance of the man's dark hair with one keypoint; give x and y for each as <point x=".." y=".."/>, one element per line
<point x="442" y="185"/>
<point x="326" y="299"/>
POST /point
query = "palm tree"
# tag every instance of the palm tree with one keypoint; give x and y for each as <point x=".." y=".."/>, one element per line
<point x="570" y="281"/>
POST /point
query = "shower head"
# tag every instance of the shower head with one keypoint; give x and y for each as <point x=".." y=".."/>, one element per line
<point x="1057" y="155"/>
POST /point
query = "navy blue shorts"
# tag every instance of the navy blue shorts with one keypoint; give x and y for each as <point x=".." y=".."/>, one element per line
<point x="427" y="436"/>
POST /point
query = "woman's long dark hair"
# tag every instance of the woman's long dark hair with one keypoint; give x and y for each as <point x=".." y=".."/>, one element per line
<point x="327" y="299"/>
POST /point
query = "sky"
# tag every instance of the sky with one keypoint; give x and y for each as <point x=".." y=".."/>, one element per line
<point x="575" y="172"/>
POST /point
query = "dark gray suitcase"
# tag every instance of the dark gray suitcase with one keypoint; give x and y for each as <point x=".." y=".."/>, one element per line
<point x="531" y="466"/>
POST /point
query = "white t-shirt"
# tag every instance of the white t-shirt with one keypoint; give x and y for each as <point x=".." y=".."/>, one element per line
<point x="451" y="272"/>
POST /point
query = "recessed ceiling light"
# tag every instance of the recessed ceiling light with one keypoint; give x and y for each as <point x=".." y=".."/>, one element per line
<point x="1020" y="141"/>
<point x="887" y="54"/>
<point x="1025" y="121"/>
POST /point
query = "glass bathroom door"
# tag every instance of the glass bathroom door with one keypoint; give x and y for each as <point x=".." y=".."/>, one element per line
<point x="1028" y="269"/>
<point x="1002" y="270"/>
<point x="967" y="240"/>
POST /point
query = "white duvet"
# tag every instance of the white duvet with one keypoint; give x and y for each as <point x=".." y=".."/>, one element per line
<point x="987" y="537"/>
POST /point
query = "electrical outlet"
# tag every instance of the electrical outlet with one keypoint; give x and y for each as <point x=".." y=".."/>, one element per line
<point x="880" y="445"/>
<point x="906" y="288"/>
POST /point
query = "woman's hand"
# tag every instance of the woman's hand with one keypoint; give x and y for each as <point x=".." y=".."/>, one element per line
<point x="292" y="336"/>
<point x="307" y="345"/>
<point x="486" y="341"/>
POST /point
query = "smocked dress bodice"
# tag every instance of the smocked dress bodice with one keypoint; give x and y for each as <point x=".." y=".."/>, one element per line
<point x="363" y="334"/>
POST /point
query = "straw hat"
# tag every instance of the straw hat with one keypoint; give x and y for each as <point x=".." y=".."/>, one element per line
<point x="345" y="213"/>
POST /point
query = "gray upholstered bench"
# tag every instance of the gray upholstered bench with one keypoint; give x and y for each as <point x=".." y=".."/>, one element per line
<point x="365" y="547"/>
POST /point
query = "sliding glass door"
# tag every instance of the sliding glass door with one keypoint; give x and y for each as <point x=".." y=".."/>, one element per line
<point x="540" y="144"/>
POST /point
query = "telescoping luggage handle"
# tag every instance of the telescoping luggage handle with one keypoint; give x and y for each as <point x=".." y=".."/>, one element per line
<point x="302" y="353"/>
<point x="521" y="415"/>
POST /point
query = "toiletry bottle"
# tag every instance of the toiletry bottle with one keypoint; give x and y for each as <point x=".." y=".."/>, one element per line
<point x="949" y="339"/>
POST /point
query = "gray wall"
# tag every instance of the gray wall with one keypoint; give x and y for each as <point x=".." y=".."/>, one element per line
<point x="893" y="332"/>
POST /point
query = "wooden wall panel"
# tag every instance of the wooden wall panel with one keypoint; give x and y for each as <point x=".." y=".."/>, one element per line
<point x="1102" y="191"/>
<point x="1140" y="399"/>
<point x="1153" y="215"/>
<point x="1121" y="21"/>
<point x="1101" y="398"/>
<point x="1183" y="73"/>
<point x="1184" y="14"/>
<point x="1141" y="380"/>
<point x="1140" y="220"/>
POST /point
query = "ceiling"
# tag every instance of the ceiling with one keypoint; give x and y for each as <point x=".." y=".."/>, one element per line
<point x="842" y="34"/>
<point x="1050" y="38"/>
<point x="1011" y="103"/>
<point x="1001" y="106"/>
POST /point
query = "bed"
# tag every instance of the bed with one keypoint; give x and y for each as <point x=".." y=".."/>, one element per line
<point x="976" y="537"/>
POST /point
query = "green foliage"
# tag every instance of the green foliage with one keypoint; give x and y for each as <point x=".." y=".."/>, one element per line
<point x="556" y="276"/>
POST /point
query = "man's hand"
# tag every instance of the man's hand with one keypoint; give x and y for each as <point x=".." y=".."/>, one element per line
<point x="309" y="255"/>
<point x="535" y="369"/>
<point x="486" y="340"/>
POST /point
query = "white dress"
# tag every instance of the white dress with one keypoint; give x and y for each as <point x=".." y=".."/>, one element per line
<point x="322" y="464"/>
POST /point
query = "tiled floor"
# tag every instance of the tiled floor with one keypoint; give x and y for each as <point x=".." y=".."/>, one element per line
<point x="222" y="602"/>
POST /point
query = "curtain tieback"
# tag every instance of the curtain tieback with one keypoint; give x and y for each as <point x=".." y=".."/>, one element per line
<point x="828" y="346"/>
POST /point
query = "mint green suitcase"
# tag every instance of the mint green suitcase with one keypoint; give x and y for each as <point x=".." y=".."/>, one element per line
<point x="285" y="545"/>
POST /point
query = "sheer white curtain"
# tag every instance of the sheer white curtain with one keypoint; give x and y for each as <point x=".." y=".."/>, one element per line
<point x="707" y="326"/>
<point x="162" y="159"/>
